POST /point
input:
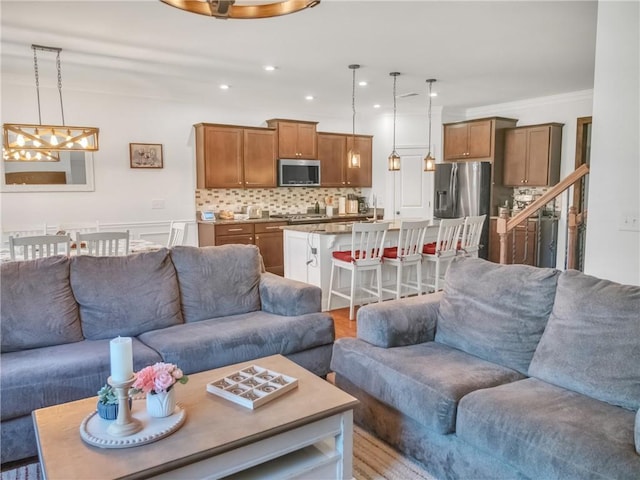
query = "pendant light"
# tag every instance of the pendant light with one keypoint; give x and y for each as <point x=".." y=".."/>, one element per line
<point x="27" y="142"/>
<point x="429" y="160"/>
<point x="353" y="155"/>
<point x="394" y="158"/>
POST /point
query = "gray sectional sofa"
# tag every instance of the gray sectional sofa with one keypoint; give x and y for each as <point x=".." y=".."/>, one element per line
<point x="510" y="372"/>
<point x="200" y="308"/>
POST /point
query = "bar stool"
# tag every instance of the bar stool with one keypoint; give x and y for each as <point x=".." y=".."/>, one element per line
<point x="408" y="253"/>
<point x="471" y="233"/>
<point x="443" y="250"/>
<point x="367" y="244"/>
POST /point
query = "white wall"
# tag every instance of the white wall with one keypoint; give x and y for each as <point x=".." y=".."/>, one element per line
<point x="615" y="149"/>
<point x="123" y="196"/>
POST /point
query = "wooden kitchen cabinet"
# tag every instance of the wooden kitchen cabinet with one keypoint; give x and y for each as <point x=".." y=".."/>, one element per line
<point x="332" y="153"/>
<point x="477" y="140"/>
<point x="532" y="155"/>
<point x="522" y="240"/>
<point x="229" y="156"/>
<point x="259" y="158"/>
<point x="269" y="239"/>
<point x="296" y="139"/>
<point x="267" y="236"/>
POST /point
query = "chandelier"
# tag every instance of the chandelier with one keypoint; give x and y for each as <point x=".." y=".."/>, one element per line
<point x="394" y="158"/>
<point x="29" y="142"/>
<point x="429" y="160"/>
<point x="353" y="155"/>
<point x="255" y="9"/>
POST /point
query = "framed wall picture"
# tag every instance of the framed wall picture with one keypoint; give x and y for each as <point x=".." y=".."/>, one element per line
<point x="146" y="155"/>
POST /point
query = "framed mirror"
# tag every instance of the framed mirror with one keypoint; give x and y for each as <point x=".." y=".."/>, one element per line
<point x="73" y="173"/>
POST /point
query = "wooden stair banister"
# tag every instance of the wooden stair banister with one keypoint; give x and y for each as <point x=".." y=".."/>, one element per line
<point x="506" y="224"/>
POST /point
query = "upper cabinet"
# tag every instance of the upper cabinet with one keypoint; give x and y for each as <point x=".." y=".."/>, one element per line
<point x="229" y="156"/>
<point x="332" y="153"/>
<point x="532" y="155"/>
<point x="296" y="139"/>
<point x="475" y="140"/>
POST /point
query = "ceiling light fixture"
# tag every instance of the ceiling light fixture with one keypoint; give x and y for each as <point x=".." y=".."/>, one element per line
<point x="28" y="142"/>
<point x="353" y="155"/>
<point x="394" y="158"/>
<point x="309" y="97"/>
<point x="224" y="86"/>
<point x="269" y="68"/>
<point x="429" y="160"/>
<point x="225" y="9"/>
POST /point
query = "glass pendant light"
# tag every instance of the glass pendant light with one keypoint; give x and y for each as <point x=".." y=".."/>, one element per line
<point x="394" y="158"/>
<point x="353" y="155"/>
<point x="429" y="160"/>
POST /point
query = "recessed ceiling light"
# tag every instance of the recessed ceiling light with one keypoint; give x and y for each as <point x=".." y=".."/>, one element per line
<point x="269" y="68"/>
<point x="362" y="83"/>
<point x="224" y="86"/>
<point x="433" y="94"/>
<point x="377" y="105"/>
<point x="309" y="97"/>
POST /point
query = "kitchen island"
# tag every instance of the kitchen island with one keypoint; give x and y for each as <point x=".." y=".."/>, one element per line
<point x="308" y="252"/>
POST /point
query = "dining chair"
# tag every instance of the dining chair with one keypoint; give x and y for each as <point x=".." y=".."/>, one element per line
<point x="101" y="244"/>
<point x="439" y="254"/>
<point x="177" y="232"/>
<point x="408" y="253"/>
<point x="39" y="246"/>
<point x="471" y="233"/>
<point x="367" y="247"/>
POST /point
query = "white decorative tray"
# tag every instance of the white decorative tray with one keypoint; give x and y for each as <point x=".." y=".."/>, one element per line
<point x="252" y="386"/>
<point x="93" y="429"/>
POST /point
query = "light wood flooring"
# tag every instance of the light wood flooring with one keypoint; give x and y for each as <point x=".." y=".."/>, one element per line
<point x="344" y="326"/>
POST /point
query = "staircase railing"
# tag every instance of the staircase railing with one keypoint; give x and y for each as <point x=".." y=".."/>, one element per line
<point x="506" y="224"/>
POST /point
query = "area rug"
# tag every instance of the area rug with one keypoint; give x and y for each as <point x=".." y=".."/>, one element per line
<point x="372" y="460"/>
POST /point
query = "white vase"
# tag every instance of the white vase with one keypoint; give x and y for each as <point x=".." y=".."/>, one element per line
<point x="161" y="404"/>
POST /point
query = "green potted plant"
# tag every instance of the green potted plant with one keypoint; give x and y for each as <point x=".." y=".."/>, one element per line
<point x="108" y="403"/>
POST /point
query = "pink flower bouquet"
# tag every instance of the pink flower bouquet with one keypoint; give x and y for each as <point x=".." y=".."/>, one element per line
<point x="158" y="378"/>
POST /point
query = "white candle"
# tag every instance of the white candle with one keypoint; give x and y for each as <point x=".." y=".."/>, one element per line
<point x="121" y="359"/>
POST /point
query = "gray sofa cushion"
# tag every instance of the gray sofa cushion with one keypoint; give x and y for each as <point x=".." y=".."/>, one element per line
<point x="213" y="343"/>
<point x="550" y="432"/>
<point x="41" y="377"/>
<point x="496" y="312"/>
<point x="592" y="341"/>
<point x="424" y="381"/>
<point x="217" y="281"/>
<point x="37" y="305"/>
<point x="125" y="295"/>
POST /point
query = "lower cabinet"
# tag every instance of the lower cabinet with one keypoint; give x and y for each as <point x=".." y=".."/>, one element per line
<point x="266" y="236"/>
<point x="521" y="243"/>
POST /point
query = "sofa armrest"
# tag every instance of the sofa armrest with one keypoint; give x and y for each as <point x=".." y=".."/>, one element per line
<point x="287" y="297"/>
<point x="396" y="323"/>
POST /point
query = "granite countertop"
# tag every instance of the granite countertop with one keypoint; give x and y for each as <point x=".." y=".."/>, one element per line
<point x="346" y="217"/>
<point x="336" y="228"/>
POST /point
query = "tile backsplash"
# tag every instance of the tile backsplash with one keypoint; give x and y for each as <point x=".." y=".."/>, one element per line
<point x="276" y="200"/>
<point x="523" y="196"/>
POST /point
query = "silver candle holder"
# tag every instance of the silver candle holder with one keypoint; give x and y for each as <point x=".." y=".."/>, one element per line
<point x="125" y="424"/>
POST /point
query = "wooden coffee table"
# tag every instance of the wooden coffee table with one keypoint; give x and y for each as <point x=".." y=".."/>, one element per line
<point x="306" y="433"/>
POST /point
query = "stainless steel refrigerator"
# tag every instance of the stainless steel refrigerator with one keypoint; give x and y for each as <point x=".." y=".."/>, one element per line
<point x="464" y="189"/>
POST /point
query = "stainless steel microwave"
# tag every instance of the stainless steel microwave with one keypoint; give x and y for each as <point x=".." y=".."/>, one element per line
<point x="298" y="173"/>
